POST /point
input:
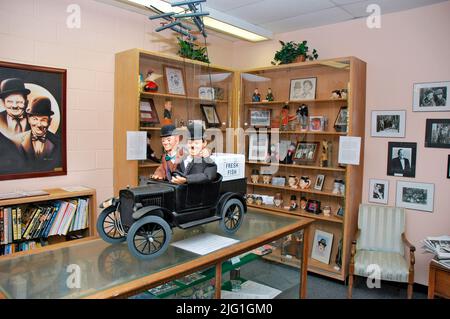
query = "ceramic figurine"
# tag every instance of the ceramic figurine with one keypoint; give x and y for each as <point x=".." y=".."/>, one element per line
<point x="336" y="94"/>
<point x="250" y="199"/>
<point x="303" y="202"/>
<point x="338" y="187"/>
<point x="269" y="96"/>
<point x="255" y="176"/>
<point x="302" y="117"/>
<point x="167" y="112"/>
<point x="326" y="210"/>
<point x="289" y="159"/>
<point x="285" y="118"/>
<point x="150" y="84"/>
<point x="278" y="200"/>
<point x="324" y="159"/>
<point x="259" y="200"/>
<point x="256" y="96"/>
<point x="293" y="181"/>
<point x="273" y="156"/>
<point x="266" y="178"/>
<point x="294" y="204"/>
<point x="305" y="182"/>
<point x="344" y="93"/>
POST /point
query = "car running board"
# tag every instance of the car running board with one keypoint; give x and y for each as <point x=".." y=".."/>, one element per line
<point x="199" y="222"/>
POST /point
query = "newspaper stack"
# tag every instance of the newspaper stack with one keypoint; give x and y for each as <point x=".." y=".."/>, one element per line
<point x="440" y="248"/>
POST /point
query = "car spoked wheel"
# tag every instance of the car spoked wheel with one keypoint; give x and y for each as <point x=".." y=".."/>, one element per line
<point x="232" y="215"/>
<point x="149" y="237"/>
<point x="108" y="226"/>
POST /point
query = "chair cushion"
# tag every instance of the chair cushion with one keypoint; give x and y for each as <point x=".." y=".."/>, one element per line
<point x="393" y="266"/>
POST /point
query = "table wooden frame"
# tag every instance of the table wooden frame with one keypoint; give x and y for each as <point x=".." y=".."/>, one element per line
<point x="439" y="277"/>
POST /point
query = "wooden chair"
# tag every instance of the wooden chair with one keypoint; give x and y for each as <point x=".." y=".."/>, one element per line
<point x="380" y="240"/>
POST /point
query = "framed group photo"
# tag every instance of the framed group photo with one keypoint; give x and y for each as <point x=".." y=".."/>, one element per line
<point x="417" y="196"/>
<point x="437" y="133"/>
<point x="402" y="159"/>
<point x="431" y="97"/>
<point x="306" y="151"/>
<point x="378" y="191"/>
<point x="174" y="78"/>
<point x="303" y="89"/>
<point x="388" y="123"/>
<point x="32" y="121"/>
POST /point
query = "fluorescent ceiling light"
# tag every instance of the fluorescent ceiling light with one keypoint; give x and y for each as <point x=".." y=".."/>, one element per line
<point x="216" y="20"/>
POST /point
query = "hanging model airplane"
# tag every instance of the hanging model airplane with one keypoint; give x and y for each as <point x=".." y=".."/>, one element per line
<point x="174" y="21"/>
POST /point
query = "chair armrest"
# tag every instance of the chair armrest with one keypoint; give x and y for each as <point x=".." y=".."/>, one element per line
<point x="411" y="247"/>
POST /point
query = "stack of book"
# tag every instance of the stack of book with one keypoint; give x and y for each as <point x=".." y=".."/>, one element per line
<point x="21" y="225"/>
<point x="440" y="248"/>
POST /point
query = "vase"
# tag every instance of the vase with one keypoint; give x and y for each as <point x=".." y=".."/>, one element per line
<point x="300" y="58"/>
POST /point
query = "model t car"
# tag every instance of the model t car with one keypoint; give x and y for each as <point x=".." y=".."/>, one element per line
<point x="144" y="216"/>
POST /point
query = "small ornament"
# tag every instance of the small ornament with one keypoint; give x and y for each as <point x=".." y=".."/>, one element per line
<point x="302" y="117"/>
<point x="278" y="200"/>
<point x="305" y="182"/>
<point x="326" y="210"/>
<point x="269" y="96"/>
<point x="256" y="96"/>
<point x="266" y="178"/>
<point x="294" y="204"/>
<point x="324" y="157"/>
<point x="150" y="84"/>
<point x="167" y="112"/>
<point x="255" y="176"/>
<point x="259" y="200"/>
<point x="293" y="181"/>
<point x="289" y="159"/>
<point x="303" y="202"/>
<point x="250" y="199"/>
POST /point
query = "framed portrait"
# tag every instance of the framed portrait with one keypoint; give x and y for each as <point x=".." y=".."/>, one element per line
<point x="319" y="182"/>
<point x="303" y="89"/>
<point x="174" y="78"/>
<point x="431" y="97"/>
<point x="402" y="159"/>
<point x="210" y="114"/>
<point x="317" y="123"/>
<point x="341" y="122"/>
<point x="388" y="123"/>
<point x="260" y="118"/>
<point x="148" y="113"/>
<point x="306" y="151"/>
<point x="258" y="147"/>
<point x="32" y="121"/>
<point x="417" y="196"/>
<point x="378" y="191"/>
<point x="448" y="167"/>
<point x="321" y="247"/>
<point x="437" y="133"/>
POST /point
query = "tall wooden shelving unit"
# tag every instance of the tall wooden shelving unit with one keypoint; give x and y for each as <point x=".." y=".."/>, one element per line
<point x="129" y="64"/>
<point x="332" y="74"/>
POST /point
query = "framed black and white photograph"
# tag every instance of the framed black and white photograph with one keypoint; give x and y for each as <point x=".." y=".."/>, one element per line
<point x="388" y="123"/>
<point x="431" y="97"/>
<point x="32" y="121"/>
<point x="417" y="196"/>
<point x="341" y="122"/>
<point x="260" y="118"/>
<point x="306" y="151"/>
<point x="303" y="89"/>
<point x="321" y="247"/>
<point x="319" y="182"/>
<point x="437" y="133"/>
<point x="378" y="191"/>
<point x="174" y="78"/>
<point x="258" y="148"/>
<point x="210" y="114"/>
<point x="402" y="159"/>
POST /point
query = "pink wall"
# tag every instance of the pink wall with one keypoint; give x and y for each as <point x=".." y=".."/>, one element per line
<point x="35" y="32"/>
<point x="411" y="46"/>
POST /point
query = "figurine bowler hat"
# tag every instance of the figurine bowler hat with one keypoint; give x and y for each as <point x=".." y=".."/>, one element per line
<point x="167" y="130"/>
<point x="196" y="132"/>
<point x="10" y="86"/>
<point x="40" y="106"/>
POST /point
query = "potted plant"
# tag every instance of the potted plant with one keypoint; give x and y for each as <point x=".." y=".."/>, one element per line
<point x="291" y="52"/>
<point x="191" y="51"/>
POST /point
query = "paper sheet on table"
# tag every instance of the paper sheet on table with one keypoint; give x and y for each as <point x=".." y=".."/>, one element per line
<point x="204" y="243"/>
<point x="349" y="150"/>
<point x="251" y="290"/>
<point x="136" y="146"/>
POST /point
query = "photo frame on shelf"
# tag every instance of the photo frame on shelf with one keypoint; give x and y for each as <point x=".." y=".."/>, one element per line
<point x="206" y="93"/>
<point x="437" y="133"/>
<point x="306" y="151"/>
<point x="321" y="247"/>
<point x="402" y="159"/>
<point x="431" y="97"/>
<point x="34" y="98"/>
<point x="341" y="122"/>
<point x="388" y="123"/>
<point x="174" y="79"/>
<point x="278" y="181"/>
<point x="317" y="123"/>
<point x="303" y="89"/>
<point x="260" y="118"/>
<point x="378" y="191"/>
<point x="210" y="114"/>
<point x="320" y="180"/>
<point x="258" y="148"/>
<point x="416" y="196"/>
<point x="148" y="114"/>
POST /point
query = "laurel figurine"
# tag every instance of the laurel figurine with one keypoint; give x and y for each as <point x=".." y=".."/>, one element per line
<point x="269" y="96"/>
<point x="167" y="112"/>
<point x="256" y="97"/>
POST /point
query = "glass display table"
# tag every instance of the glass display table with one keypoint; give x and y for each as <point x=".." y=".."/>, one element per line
<point x="92" y="268"/>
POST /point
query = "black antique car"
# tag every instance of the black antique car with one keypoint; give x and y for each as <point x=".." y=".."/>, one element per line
<point x="144" y="216"/>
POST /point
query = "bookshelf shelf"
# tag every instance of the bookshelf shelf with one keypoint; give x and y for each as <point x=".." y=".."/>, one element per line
<point x="180" y="97"/>
<point x="297" y="190"/>
<point x="331" y="169"/>
<point x="296" y="102"/>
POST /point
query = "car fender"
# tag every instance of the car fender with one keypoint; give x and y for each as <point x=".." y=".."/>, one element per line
<point x="151" y="210"/>
<point x="227" y="196"/>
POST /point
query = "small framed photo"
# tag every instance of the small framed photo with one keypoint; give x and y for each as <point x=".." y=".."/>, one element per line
<point x="319" y="182"/>
<point x="258" y="147"/>
<point x="206" y="93"/>
<point x="303" y="89"/>
<point x="448" y="167"/>
<point x="388" y="123"/>
<point x="378" y="191"/>
<point x="417" y="196"/>
<point x="260" y="118"/>
<point x="278" y="181"/>
<point x="431" y="97"/>
<point x="317" y="123"/>
<point x="402" y="159"/>
<point x="341" y="122"/>
<point x="322" y="244"/>
<point x="148" y="113"/>
<point x="174" y="78"/>
<point x="306" y="151"/>
<point x="437" y="133"/>
<point x="211" y="116"/>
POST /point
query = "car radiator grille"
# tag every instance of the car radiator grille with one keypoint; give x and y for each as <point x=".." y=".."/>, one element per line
<point x="154" y="201"/>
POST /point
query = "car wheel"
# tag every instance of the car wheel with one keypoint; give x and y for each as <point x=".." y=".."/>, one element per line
<point x="107" y="226"/>
<point x="232" y="215"/>
<point x="149" y="237"/>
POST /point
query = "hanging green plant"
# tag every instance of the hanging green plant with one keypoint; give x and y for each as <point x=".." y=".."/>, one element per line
<point x="294" y="52"/>
<point x="190" y="50"/>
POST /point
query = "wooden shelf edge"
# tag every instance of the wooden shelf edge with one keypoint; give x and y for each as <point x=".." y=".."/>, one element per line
<point x="297" y="190"/>
<point x="54" y="194"/>
<point x="300" y="166"/>
<point x="295" y="102"/>
<point x="181" y="97"/>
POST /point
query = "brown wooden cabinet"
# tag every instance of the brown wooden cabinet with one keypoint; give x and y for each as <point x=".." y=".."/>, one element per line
<point x="439" y="281"/>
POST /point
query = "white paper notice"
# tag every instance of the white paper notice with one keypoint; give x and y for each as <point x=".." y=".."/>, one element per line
<point x="136" y="146"/>
<point x="204" y="243"/>
<point x="251" y="290"/>
<point x="349" y="150"/>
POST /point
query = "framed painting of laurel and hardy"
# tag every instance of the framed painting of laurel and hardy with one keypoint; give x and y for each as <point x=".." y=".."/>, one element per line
<point x="32" y="121"/>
